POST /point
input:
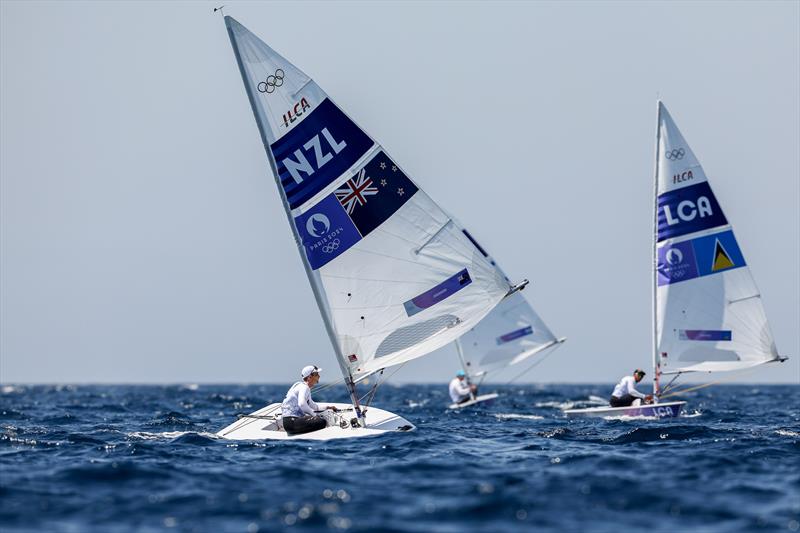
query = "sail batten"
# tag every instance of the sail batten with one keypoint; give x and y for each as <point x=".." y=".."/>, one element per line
<point x="709" y="312"/>
<point x="393" y="277"/>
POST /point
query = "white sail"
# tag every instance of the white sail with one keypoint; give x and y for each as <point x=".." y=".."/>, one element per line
<point x="394" y="277"/>
<point x="709" y="313"/>
<point x="511" y="333"/>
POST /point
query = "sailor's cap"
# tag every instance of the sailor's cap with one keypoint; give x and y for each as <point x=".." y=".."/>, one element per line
<point x="308" y="370"/>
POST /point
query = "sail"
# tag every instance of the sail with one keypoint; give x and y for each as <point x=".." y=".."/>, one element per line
<point x="709" y="313"/>
<point x="394" y="276"/>
<point x="509" y="334"/>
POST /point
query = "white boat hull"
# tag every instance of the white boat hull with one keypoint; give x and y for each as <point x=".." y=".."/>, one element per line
<point x="265" y="424"/>
<point x="477" y="400"/>
<point x="655" y="410"/>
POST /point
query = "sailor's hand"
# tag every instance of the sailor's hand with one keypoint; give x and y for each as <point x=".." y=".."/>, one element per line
<point x="333" y="408"/>
<point x="648" y="398"/>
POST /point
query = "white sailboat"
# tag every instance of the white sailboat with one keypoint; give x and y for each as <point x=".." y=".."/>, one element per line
<point x="510" y="334"/>
<point x="394" y="277"/>
<point x="708" y="315"/>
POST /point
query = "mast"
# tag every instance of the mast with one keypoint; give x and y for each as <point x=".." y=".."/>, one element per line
<point x="298" y="241"/>
<point x="460" y="351"/>
<point x="654" y="257"/>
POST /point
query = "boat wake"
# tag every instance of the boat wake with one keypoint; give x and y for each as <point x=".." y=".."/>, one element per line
<point x="573" y="404"/>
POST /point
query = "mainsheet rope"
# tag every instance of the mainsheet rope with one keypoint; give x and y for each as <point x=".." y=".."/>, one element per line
<point x="536" y="362"/>
<point x="717" y="382"/>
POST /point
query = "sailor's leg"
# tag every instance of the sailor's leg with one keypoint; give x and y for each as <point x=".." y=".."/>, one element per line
<point x="297" y="425"/>
<point x="625" y="401"/>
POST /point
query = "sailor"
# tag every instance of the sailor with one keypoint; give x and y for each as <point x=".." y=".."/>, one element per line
<point x="460" y="390"/>
<point x="299" y="412"/>
<point x="625" y="392"/>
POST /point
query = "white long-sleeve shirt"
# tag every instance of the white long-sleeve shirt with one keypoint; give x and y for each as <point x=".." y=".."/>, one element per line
<point x="458" y="390"/>
<point x="298" y="401"/>
<point x="627" y="385"/>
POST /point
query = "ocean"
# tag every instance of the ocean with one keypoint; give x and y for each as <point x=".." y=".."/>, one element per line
<point x="118" y="458"/>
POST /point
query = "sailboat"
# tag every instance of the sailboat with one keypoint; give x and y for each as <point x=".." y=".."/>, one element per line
<point x="708" y="315"/>
<point x="393" y="275"/>
<point x="510" y="334"/>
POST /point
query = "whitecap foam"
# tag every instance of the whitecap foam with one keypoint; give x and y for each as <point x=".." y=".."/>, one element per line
<point x="502" y="416"/>
<point x="787" y="433"/>
<point x="146" y="435"/>
<point x="628" y="418"/>
<point x="571" y="404"/>
<point x="557" y="405"/>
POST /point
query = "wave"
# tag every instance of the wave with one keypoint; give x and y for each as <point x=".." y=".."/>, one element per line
<point x="654" y="434"/>
<point x="173" y="418"/>
<point x="111" y="470"/>
<point x="557" y="433"/>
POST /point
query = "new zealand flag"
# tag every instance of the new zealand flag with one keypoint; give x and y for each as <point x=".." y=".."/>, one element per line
<point x="375" y="193"/>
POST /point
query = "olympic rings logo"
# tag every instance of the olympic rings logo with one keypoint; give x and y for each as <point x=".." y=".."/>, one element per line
<point x="272" y="82"/>
<point x="675" y="154"/>
<point x="331" y="246"/>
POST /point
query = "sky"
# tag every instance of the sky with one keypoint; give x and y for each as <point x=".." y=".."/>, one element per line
<point x="142" y="238"/>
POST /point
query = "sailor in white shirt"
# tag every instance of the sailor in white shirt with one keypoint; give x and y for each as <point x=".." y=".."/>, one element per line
<point x="460" y="390"/>
<point x="298" y="411"/>
<point x="625" y="392"/>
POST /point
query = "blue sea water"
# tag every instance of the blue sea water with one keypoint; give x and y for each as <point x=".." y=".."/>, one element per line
<point x="145" y="458"/>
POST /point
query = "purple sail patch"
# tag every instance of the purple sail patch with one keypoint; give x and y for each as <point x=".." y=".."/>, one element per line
<point x="676" y="263"/>
<point x="704" y="335"/>
<point x="440" y="292"/>
<point x="514" y="335"/>
<point x="326" y="232"/>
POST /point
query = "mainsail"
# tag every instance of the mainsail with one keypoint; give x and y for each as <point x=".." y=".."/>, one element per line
<point x="394" y="276"/>
<point x="511" y="333"/>
<point x="708" y="313"/>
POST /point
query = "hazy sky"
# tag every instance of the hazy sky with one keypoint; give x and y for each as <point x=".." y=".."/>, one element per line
<point x="143" y="239"/>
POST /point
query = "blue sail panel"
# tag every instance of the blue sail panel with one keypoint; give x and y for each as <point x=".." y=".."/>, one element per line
<point x="699" y="257"/>
<point x="317" y="151"/>
<point x="688" y="210"/>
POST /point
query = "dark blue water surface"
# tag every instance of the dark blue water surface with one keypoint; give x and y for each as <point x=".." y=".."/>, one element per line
<point x="144" y="458"/>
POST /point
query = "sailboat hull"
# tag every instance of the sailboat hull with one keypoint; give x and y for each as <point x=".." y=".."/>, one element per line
<point x="265" y="424"/>
<point x="656" y="410"/>
<point x="478" y="399"/>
